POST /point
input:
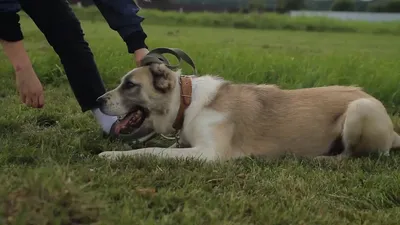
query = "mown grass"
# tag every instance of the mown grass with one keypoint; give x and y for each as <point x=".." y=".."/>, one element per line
<point x="50" y="173"/>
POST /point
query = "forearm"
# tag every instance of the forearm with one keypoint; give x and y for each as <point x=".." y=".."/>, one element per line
<point x="11" y="35"/>
<point x="17" y="54"/>
<point x="121" y="16"/>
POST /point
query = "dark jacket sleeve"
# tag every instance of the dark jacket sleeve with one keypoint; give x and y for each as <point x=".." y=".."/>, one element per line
<point x="10" y="29"/>
<point x="121" y="16"/>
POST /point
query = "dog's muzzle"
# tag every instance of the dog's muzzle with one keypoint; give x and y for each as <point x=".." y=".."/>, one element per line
<point x="101" y="101"/>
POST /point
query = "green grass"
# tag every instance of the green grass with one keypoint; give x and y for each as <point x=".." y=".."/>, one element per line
<point x="270" y="21"/>
<point x="50" y="173"/>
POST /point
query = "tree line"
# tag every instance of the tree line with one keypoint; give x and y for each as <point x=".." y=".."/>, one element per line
<point x="281" y="6"/>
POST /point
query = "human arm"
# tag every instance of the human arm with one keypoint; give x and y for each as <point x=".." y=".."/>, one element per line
<point x="28" y="84"/>
<point x="121" y="16"/>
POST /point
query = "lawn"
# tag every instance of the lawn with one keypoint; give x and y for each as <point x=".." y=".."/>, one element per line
<point x="52" y="175"/>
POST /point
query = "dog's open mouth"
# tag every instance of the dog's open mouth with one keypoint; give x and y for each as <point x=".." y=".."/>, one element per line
<point x="135" y="118"/>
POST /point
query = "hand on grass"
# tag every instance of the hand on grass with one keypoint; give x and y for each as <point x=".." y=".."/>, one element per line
<point x="28" y="84"/>
<point x="29" y="87"/>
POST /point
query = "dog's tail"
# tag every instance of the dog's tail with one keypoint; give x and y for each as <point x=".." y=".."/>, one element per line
<point x="396" y="140"/>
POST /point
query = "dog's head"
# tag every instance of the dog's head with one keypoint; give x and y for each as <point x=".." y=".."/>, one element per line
<point x="143" y="91"/>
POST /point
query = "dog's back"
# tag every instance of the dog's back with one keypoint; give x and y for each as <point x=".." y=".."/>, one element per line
<point x="269" y="121"/>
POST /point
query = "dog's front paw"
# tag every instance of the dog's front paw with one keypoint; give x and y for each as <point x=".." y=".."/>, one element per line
<point x="110" y="155"/>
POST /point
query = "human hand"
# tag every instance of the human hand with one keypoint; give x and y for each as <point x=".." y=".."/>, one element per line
<point x="29" y="87"/>
<point x="139" y="54"/>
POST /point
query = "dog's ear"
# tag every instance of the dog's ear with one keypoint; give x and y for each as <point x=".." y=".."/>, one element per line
<point x="163" y="79"/>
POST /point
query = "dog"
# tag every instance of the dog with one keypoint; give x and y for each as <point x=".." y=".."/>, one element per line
<point x="220" y="120"/>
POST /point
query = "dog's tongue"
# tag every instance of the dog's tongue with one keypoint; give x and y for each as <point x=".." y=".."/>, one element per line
<point x="130" y="119"/>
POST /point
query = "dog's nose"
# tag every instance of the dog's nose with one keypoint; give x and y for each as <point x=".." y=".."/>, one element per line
<point x="101" y="100"/>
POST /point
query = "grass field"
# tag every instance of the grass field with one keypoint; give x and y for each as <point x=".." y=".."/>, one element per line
<point x="270" y="21"/>
<point x="50" y="173"/>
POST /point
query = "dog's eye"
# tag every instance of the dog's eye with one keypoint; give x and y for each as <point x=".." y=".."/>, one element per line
<point x="129" y="84"/>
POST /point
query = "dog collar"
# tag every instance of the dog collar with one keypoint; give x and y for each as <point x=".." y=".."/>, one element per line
<point x="185" y="83"/>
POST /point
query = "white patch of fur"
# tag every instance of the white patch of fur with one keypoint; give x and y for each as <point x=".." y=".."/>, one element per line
<point x="199" y="120"/>
<point x="204" y="90"/>
<point x="199" y="132"/>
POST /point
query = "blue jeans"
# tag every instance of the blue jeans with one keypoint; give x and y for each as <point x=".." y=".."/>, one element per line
<point x="63" y="31"/>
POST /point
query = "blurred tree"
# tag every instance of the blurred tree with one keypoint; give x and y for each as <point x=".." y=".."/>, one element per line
<point x="343" y="5"/>
<point x="384" y="6"/>
<point x="256" y="5"/>
<point x="393" y="6"/>
<point x="288" y="5"/>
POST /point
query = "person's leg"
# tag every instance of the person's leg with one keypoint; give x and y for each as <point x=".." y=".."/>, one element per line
<point x="64" y="33"/>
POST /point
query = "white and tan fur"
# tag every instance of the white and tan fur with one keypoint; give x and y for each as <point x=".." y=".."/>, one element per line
<point x="227" y="121"/>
